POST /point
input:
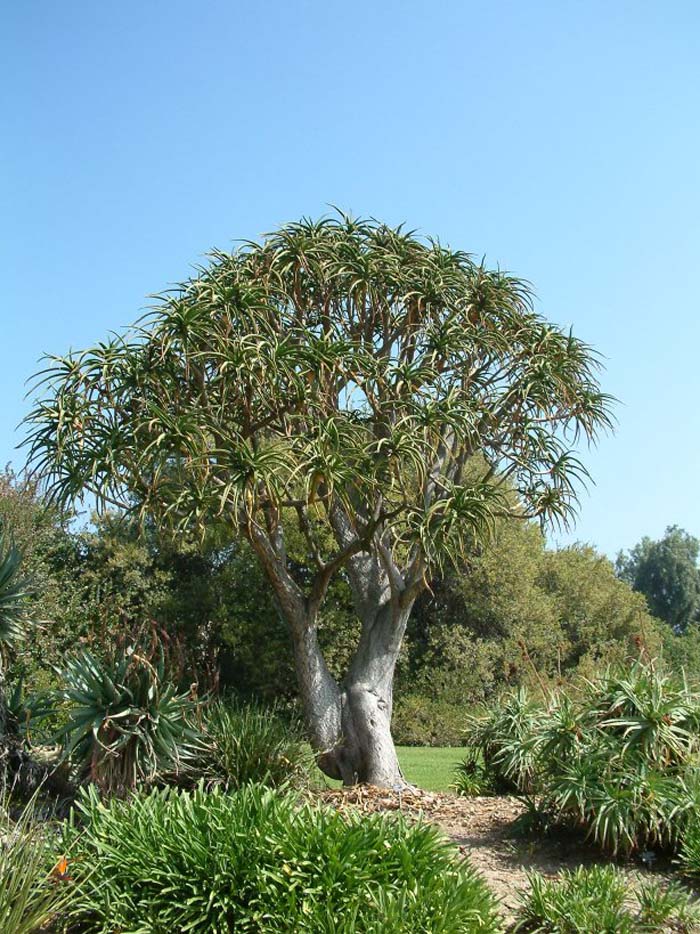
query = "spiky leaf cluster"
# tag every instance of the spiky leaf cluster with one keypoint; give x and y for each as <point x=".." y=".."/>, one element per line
<point x="620" y="761"/>
<point x="125" y="722"/>
<point x="14" y="594"/>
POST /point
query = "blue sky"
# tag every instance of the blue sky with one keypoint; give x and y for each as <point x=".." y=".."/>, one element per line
<point x="560" y="139"/>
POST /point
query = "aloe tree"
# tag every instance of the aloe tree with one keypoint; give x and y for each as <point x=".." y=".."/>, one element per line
<point x="350" y="378"/>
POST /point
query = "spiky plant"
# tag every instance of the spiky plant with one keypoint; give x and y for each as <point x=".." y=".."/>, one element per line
<point x="652" y="713"/>
<point x="471" y="777"/>
<point x="617" y="768"/>
<point x="597" y="899"/>
<point x="508" y="735"/>
<point x="618" y="761"/>
<point x="14" y="592"/>
<point x="246" y="743"/>
<point x="389" y="396"/>
<point x="126" y="722"/>
<point x="31" y="894"/>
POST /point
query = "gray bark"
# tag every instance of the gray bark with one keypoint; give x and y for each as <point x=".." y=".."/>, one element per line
<point x="349" y="723"/>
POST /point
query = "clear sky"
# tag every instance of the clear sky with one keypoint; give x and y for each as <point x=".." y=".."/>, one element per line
<point x="561" y="139"/>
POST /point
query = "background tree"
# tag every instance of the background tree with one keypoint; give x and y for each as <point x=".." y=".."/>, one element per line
<point x="381" y="388"/>
<point x="666" y="572"/>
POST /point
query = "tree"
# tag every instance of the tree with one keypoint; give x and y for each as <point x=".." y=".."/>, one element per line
<point x="666" y="572"/>
<point x="376" y="386"/>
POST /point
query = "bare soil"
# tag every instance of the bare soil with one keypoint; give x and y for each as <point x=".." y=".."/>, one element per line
<point x="485" y="830"/>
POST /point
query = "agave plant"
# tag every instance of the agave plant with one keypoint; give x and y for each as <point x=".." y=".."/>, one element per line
<point x="126" y="722"/>
<point x="14" y="592"/>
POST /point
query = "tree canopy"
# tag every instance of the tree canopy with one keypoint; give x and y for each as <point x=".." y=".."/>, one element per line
<point x="336" y="360"/>
<point x="667" y="573"/>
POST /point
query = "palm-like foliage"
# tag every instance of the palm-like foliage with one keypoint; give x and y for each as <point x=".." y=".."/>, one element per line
<point x="508" y="736"/>
<point x="14" y="592"/>
<point x="649" y="713"/>
<point x="126" y="723"/>
<point x="365" y="382"/>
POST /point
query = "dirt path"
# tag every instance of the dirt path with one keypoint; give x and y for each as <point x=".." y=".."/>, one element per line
<point x="483" y="830"/>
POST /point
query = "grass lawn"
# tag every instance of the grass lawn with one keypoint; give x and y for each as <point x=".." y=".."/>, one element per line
<point x="428" y="767"/>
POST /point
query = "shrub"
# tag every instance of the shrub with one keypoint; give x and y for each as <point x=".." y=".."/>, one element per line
<point x="596" y="899"/>
<point x="427" y="721"/>
<point x="258" y="861"/>
<point x="249" y="743"/>
<point x="659" y="907"/>
<point x="627" y="778"/>
<point x="689" y="850"/>
<point x="584" y="900"/>
<point x="125" y="722"/>
<point x="31" y="895"/>
<point x="506" y="734"/>
<point x="617" y="760"/>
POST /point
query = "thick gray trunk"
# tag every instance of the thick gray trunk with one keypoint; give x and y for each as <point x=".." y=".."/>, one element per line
<point x="320" y="696"/>
<point x="350" y="724"/>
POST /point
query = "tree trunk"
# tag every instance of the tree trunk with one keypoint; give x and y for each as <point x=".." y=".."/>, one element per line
<point x="350" y="723"/>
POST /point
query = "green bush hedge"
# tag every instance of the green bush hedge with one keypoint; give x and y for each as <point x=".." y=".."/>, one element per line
<point x="259" y="861"/>
<point x="427" y="721"/>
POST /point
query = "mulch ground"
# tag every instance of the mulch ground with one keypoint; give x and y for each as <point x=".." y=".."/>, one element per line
<point x="483" y="829"/>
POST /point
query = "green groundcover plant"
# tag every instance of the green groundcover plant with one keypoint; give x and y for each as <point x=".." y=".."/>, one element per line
<point x="618" y="760"/>
<point x="260" y="861"/>
<point x="598" y="900"/>
<point x="689" y="855"/>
